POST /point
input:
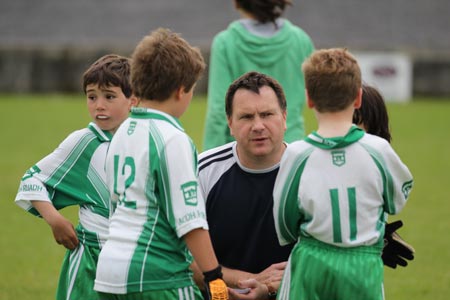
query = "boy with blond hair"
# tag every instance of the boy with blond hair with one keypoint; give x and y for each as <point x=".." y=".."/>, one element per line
<point x="334" y="189"/>
<point x="159" y="221"/>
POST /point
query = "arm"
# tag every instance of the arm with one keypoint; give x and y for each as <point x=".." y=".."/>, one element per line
<point x="258" y="283"/>
<point x="397" y="179"/>
<point x="62" y="229"/>
<point x="271" y="275"/>
<point x="200" y="245"/>
<point x="286" y="213"/>
<point x="263" y="285"/>
<point x="52" y="179"/>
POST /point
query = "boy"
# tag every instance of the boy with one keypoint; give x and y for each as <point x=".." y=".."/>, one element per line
<point x="333" y="190"/>
<point x="151" y="171"/>
<point x="74" y="175"/>
<point x="372" y="115"/>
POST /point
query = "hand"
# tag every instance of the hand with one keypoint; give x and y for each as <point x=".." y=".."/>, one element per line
<point x="396" y="251"/>
<point x="257" y="290"/>
<point x="63" y="231"/>
<point x="214" y="284"/>
<point x="272" y="275"/>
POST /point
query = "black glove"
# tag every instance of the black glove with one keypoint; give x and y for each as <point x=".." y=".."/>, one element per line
<point x="214" y="285"/>
<point x="396" y="251"/>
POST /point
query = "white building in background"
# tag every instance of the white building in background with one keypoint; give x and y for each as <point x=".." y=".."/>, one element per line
<point x="389" y="72"/>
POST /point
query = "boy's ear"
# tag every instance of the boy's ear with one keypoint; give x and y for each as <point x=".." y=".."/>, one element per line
<point x="309" y="102"/>
<point x="179" y="92"/>
<point x="133" y="101"/>
<point x="358" y="100"/>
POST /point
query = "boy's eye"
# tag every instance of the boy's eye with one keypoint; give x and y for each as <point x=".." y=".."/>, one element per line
<point x="90" y="97"/>
<point x="110" y="96"/>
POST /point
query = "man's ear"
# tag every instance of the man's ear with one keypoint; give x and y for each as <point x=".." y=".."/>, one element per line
<point x="230" y="122"/>
<point x="309" y="102"/>
<point x="284" y="118"/>
<point x="358" y="100"/>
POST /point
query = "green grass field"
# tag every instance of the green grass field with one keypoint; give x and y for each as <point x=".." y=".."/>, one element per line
<point x="32" y="126"/>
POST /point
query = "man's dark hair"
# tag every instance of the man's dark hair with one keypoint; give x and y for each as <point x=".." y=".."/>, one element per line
<point x="254" y="81"/>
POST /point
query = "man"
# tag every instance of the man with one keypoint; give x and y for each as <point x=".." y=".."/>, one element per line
<point x="237" y="182"/>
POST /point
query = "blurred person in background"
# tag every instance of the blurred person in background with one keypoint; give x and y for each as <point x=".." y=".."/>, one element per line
<point x="262" y="40"/>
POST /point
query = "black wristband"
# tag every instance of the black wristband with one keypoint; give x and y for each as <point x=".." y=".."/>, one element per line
<point x="213" y="274"/>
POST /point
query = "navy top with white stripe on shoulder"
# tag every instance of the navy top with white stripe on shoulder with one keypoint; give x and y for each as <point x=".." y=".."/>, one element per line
<point x="239" y="207"/>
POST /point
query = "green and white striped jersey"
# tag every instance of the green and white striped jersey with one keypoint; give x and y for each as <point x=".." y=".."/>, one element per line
<point x="73" y="174"/>
<point x="337" y="190"/>
<point x="151" y="171"/>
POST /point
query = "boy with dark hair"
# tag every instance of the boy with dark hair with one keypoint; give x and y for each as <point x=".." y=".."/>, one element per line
<point x="372" y="116"/>
<point x="74" y="174"/>
<point x="152" y="177"/>
<point x="333" y="190"/>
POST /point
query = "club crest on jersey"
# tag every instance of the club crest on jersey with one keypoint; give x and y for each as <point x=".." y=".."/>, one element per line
<point x="338" y="157"/>
<point x="189" y="190"/>
<point x="131" y="128"/>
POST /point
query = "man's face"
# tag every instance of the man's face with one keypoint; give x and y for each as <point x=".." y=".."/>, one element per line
<point x="258" y="124"/>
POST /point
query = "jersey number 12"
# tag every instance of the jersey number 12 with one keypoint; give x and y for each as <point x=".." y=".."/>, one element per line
<point x="129" y="168"/>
